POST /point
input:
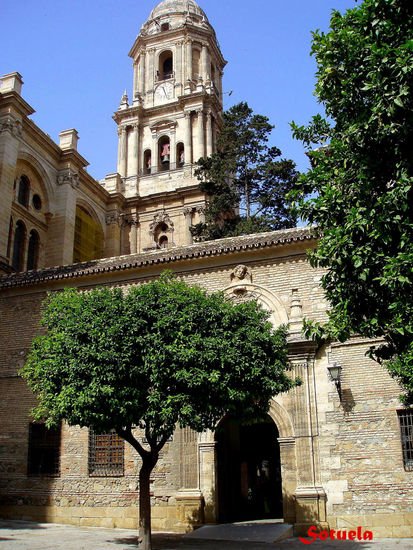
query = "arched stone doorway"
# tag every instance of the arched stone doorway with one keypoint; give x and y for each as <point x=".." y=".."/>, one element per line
<point x="248" y="470"/>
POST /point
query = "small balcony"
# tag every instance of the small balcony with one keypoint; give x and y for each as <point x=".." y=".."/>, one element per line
<point x="167" y="75"/>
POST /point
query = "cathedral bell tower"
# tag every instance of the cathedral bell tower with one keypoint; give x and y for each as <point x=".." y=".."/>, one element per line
<point x="170" y="122"/>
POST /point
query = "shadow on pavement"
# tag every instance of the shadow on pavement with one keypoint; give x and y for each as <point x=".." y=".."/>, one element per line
<point x="19" y="524"/>
<point x="160" y="541"/>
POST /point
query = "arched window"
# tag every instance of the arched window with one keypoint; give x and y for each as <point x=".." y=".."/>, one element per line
<point x="88" y="242"/>
<point x="163" y="242"/>
<point x="23" y="191"/>
<point x="180" y="154"/>
<point x="33" y="250"/>
<point x="147" y="161"/>
<point x="164" y="154"/>
<point x="165" y="70"/>
<point x="18" y="246"/>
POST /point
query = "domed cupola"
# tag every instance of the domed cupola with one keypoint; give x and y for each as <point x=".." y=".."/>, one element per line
<point x="172" y="14"/>
<point x="177" y="6"/>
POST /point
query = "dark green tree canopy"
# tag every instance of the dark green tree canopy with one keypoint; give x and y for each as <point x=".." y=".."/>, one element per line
<point x="160" y="355"/>
<point x="362" y="178"/>
<point x="246" y="180"/>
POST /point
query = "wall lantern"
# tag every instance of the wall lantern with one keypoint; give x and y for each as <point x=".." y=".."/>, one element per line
<point x="335" y="375"/>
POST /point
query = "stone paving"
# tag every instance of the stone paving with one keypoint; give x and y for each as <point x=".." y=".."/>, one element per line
<point x="20" y="535"/>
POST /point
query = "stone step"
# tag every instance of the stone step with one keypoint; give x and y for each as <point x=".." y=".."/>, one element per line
<point x="253" y="531"/>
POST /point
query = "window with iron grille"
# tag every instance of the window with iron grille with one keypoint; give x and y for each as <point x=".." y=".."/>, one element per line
<point x="406" y="432"/>
<point x="106" y="452"/>
<point x="44" y="450"/>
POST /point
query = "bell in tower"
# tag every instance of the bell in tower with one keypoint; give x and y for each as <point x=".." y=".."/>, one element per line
<point x="172" y="121"/>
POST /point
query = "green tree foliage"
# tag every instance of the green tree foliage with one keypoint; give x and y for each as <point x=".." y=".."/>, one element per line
<point x="362" y="178"/>
<point x="161" y="355"/>
<point x="245" y="179"/>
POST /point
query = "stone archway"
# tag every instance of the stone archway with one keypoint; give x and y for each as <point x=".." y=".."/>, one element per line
<point x="248" y="471"/>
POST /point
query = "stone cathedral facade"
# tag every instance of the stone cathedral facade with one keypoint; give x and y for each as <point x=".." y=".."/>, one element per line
<point x="332" y="454"/>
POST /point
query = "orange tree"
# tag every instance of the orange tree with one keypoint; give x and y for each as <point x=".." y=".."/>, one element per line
<point x="362" y="181"/>
<point x="161" y="355"/>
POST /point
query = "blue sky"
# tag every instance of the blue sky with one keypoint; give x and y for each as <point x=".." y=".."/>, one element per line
<point x="73" y="57"/>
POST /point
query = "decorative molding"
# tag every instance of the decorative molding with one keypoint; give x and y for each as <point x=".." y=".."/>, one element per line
<point x="113" y="218"/>
<point x="129" y="219"/>
<point x="13" y="126"/>
<point x="162" y="126"/>
<point x="239" y="273"/>
<point x="161" y="217"/>
<point x="188" y="211"/>
<point x="68" y="177"/>
<point x="207" y="447"/>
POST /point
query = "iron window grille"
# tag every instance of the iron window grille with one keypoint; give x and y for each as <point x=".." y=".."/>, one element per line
<point x="44" y="450"/>
<point x="406" y="432"/>
<point x="106" y="454"/>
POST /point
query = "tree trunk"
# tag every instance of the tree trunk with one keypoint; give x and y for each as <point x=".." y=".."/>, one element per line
<point x="145" y="541"/>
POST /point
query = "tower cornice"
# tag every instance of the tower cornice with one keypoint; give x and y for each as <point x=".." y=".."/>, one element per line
<point x="185" y="31"/>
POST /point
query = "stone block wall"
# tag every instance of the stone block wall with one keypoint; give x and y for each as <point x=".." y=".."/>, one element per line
<point x="341" y="462"/>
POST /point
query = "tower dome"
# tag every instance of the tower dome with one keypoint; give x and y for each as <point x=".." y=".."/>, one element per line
<point x="174" y="14"/>
<point x="169" y="7"/>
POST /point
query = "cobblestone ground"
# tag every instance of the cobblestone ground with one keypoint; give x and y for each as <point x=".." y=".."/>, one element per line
<point x="18" y="535"/>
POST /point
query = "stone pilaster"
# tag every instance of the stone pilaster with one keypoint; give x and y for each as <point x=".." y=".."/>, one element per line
<point x="141" y="81"/>
<point x="188" y="213"/>
<point x="172" y="147"/>
<point x="122" y="151"/>
<point x="135" y="167"/>
<point x="189" y="60"/>
<point x="200" y="135"/>
<point x="208" y="478"/>
<point x="188" y="138"/>
<point x="209" y="141"/>
<point x="10" y="131"/>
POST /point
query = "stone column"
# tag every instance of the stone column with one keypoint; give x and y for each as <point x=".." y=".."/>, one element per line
<point x="10" y="132"/>
<point x="208" y="476"/>
<point x="133" y="233"/>
<point x="201" y="213"/>
<point x="172" y="153"/>
<point x="204" y="63"/>
<point x="135" y="80"/>
<point x="135" y="167"/>
<point x="122" y="150"/>
<point x="150" y="69"/>
<point x="189" y="60"/>
<point x="289" y="477"/>
<point x="155" y="160"/>
<point x="201" y="136"/>
<point x="113" y="234"/>
<point x="209" y="141"/>
<point x="221" y="74"/>
<point x="179" y="77"/>
<point x="188" y="222"/>
<point x="188" y="139"/>
<point x="141" y="83"/>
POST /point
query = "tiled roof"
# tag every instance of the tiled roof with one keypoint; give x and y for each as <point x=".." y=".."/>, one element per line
<point x="217" y="247"/>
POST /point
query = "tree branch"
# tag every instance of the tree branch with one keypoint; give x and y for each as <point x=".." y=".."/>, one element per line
<point x="127" y="435"/>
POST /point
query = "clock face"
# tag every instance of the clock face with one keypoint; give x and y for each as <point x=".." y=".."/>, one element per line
<point x="164" y="91"/>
